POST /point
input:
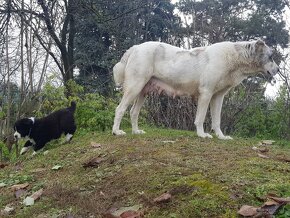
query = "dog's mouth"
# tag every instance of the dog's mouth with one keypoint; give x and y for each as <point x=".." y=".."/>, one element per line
<point x="17" y="136"/>
<point x="269" y="77"/>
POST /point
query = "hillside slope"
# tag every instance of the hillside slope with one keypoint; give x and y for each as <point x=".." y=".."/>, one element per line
<point x="206" y="177"/>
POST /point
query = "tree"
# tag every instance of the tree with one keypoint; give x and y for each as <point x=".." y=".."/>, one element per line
<point x="219" y="20"/>
<point x="55" y="19"/>
<point x="108" y="29"/>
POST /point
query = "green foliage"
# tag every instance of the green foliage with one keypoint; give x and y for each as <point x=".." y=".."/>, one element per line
<point x="13" y="179"/>
<point x="2" y="114"/>
<point x="94" y="112"/>
<point x="266" y="118"/>
<point x="4" y="150"/>
<point x="284" y="212"/>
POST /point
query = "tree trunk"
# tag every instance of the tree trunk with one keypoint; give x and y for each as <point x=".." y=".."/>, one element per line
<point x="8" y="117"/>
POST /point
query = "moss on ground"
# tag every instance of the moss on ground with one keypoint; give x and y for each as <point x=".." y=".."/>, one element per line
<point x="206" y="177"/>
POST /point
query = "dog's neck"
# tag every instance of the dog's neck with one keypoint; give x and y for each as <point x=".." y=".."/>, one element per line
<point x="32" y="119"/>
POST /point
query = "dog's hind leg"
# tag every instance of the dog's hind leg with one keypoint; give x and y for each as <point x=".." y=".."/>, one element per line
<point x="215" y="110"/>
<point x="39" y="145"/>
<point x="68" y="137"/>
<point x="132" y="89"/>
<point x="134" y="113"/>
<point x="69" y="133"/>
<point x="120" y="111"/>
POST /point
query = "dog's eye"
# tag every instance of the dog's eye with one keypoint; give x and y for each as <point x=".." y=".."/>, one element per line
<point x="271" y="57"/>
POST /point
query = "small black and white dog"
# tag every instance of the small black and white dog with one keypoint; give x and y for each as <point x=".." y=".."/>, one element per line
<point x="40" y="131"/>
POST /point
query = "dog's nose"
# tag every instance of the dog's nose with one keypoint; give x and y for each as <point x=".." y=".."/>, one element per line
<point x="16" y="136"/>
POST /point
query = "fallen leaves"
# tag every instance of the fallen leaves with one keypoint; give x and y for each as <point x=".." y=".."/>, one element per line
<point x="38" y="170"/>
<point x="94" y="162"/>
<point x="131" y="214"/>
<point x="168" y="142"/>
<point x="29" y="201"/>
<point x="164" y="198"/>
<point x="36" y="195"/>
<point x="283" y="159"/>
<point x="56" y="167"/>
<point x="19" y="193"/>
<point x="19" y="189"/>
<point x="268" y="209"/>
<point x="279" y="200"/>
<point x="135" y="211"/>
<point x="247" y="210"/>
<point x="8" y="210"/>
<point x="262" y="149"/>
<point x="267" y="142"/>
<point x="2" y="165"/>
<point x="19" y="186"/>
<point x="263" y="156"/>
<point x="95" y="145"/>
<point x="125" y="212"/>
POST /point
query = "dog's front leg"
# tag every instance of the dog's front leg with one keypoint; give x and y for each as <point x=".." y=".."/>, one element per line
<point x="38" y="145"/>
<point x="26" y="147"/>
<point x="202" y="106"/>
<point x="215" y="110"/>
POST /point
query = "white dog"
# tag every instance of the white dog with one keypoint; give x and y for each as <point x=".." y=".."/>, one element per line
<point x="207" y="73"/>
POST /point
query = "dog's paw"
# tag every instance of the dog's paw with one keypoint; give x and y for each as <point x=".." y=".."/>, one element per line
<point x="118" y="132"/>
<point x="225" y="137"/>
<point x="24" y="150"/>
<point x="138" y="131"/>
<point x="204" y="135"/>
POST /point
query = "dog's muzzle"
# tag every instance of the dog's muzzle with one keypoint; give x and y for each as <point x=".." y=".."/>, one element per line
<point x="269" y="76"/>
<point x="17" y="136"/>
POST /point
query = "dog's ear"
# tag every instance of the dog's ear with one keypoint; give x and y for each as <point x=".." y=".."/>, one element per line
<point x="259" y="45"/>
<point x="28" y="122"/>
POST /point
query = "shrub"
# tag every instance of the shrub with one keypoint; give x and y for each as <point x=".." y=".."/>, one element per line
<point x="94" y="112"/>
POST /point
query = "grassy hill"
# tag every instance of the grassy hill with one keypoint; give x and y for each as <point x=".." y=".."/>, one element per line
<point x="206" y="177"/>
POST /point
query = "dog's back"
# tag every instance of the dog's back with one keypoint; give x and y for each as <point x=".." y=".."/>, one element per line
<point x="58" y="122"/>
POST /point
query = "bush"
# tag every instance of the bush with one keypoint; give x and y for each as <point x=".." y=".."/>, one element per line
<point x="94" y="112"/>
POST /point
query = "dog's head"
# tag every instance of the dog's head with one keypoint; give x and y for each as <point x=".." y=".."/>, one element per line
<point x="23" y="128"/>
<point x="264" y="59"/>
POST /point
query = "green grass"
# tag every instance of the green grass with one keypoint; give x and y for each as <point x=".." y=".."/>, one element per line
<point x="207" y="177"/>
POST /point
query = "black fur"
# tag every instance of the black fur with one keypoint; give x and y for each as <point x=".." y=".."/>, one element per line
<point x="47" y="128"/>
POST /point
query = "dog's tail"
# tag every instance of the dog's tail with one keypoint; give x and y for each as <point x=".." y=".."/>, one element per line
<point x="73" y="106"/>
<point x="119" y="68"/>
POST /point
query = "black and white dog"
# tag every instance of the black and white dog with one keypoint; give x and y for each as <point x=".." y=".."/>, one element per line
<point x="40" y="131"/>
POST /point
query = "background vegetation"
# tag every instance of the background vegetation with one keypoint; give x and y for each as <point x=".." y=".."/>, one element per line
<point x="56" y="51"/>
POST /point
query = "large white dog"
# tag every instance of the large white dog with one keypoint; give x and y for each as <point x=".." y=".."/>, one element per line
<point x="207" y="73"/>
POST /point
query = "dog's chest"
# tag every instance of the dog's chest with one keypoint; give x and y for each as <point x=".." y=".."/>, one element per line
<point x="228" y="81"/>
<point x="31" y="140"/>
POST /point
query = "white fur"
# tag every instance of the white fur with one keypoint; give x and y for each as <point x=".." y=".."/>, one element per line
<point x="207" y="73"/>
<point x="25" y="149"/>
<point x="68" y="137"/>
<point x="17" y="135"/>
<point x="33" y="119"/>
